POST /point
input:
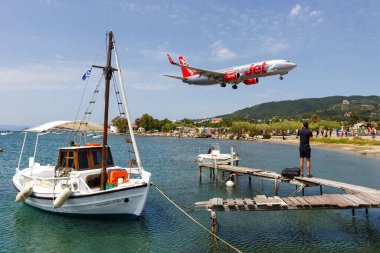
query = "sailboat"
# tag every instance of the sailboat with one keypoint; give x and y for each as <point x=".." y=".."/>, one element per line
<point x="85" y="180"/>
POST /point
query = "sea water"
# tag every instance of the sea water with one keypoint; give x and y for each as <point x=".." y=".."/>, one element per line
<point x="163" y="228"/>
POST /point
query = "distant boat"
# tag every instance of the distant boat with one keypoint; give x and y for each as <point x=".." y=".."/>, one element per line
<point x="214" y="156"/>
<point x="6" y="132"/>
<point x="85" y="180"/>
<point x="97" y="136"/>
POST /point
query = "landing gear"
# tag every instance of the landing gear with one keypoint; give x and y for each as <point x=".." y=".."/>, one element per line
<point x="234" y="86"/>
<point x="222" y="85"/>
<point x="282" y="75"/>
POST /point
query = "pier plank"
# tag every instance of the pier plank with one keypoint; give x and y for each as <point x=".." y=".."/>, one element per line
<point x="348" y="200"/>
<point x="216" y="202"/>
<point x="353" y="202"/>
<point x="249" y="202"/>
<point x="239" y="203"/>
<point x="281" y="201"/>
<point x="230" y="202"/>
<point x="302" y="201"/>
<point x="298" y="202"/>
<point x="323" y="200"/>
<point x="360" y="201"/>
<point x="289" y="202"/>
<point x="340" y="201"/>
<point x="367" y="199"/>
<point x="374" y="197"/>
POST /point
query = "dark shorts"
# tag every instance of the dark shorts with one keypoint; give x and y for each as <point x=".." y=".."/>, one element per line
<point x="305" y="153"/>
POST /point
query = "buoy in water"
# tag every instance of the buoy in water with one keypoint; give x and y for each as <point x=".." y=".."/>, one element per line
<point x="61" y="199"/>
<point x="230" y="183"/>
<point x="24" y="194"/>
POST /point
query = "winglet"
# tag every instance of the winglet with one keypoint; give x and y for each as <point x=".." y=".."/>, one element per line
<point x="170" y="59"/>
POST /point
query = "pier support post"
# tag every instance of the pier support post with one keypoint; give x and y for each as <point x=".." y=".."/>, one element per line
<point x="213" y="222"/>
<point x="249" y="180"/>
<point x="200" y="173"/>
<point x="353" y="211"/>
<point x="303" y="191"/>
<point x="276" y="186"/>
<point x="320" y="189"/>
<point x="366" y="212"/>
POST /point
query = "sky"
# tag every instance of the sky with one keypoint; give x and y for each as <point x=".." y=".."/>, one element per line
<point x="47" y="45"/>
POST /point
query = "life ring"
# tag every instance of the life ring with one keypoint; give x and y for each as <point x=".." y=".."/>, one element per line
<point x="92" y="144"/>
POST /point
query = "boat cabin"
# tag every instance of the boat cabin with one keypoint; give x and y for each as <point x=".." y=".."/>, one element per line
<point x="83" y="157"/>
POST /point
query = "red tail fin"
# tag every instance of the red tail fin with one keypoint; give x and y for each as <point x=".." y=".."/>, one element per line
<point x="186" y="72"/>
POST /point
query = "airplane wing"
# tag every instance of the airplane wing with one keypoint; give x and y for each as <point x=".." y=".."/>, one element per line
<point x="176" y="77"/>
<point x="219" y="76"/>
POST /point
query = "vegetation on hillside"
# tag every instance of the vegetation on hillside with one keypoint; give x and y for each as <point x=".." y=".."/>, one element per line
<point x="335" y="108"/>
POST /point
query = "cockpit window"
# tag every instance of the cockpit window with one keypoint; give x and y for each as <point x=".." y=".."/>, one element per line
<point x="82" y="159"/>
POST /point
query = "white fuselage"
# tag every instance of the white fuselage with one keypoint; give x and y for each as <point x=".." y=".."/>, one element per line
<point x="254" y="70"/>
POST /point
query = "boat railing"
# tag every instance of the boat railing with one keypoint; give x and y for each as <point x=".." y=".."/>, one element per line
<point x="25" y="179"/>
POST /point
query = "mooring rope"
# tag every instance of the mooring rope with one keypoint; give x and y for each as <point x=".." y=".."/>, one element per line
<point x="191" y="218"/>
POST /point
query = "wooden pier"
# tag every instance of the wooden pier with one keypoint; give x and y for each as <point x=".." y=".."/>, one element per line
<point x="355" y="196"/>
<point x="263" y="203"/>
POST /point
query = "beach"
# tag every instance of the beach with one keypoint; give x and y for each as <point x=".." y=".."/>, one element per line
<point x="354" y="148"/>
<point x="372" y="150"/>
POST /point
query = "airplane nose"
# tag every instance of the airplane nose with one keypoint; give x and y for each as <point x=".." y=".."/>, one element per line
<point x="292" y="65"/>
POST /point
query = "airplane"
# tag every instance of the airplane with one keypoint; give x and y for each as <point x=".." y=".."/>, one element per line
<point x="249" y="74"/>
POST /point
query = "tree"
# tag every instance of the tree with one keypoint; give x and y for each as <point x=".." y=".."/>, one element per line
<point x="120" y="123"/>
<point x="315" y="119"/>
<point x="354" y="118"/>
<point x="162" y="123"/>
<point x="168" y="127"/>
<point x="187" y="122"/>
<point x="147" y="122"/>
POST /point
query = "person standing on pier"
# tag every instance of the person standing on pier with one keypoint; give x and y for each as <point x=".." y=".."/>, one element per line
<point x="305" y="150"/>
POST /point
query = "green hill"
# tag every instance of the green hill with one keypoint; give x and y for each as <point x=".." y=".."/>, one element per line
<point x="327" y="108"/>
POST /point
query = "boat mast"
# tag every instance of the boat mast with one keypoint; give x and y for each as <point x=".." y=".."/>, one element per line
<point x="108" y="71"/>
<point x="136" y="151"/>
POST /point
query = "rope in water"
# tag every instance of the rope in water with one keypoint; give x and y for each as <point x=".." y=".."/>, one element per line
<point x="189" y="216"/>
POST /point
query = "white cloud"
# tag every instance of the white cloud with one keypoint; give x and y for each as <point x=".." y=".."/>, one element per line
<point x="48" y="76"/>
<point x="154" y="82"/>
<point x="305" y="14"/>
<point x="295" y="11"/>
<point x="220" y="52"/>
<point x="273" y="46"/>
<point x="315" y="13"/>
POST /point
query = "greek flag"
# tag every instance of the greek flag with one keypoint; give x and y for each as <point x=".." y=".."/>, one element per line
<point x="86" y="75"/>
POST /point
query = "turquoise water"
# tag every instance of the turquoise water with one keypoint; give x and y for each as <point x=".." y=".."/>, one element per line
<point x="165" y="229"/>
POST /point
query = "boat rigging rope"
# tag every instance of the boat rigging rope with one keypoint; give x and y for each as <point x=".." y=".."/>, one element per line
<point x="191" y="218"/>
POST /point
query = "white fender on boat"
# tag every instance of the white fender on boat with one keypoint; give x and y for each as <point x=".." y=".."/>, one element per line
<point x="61" y="199"/>
<point x="24" y="194"/>
<point x="230" y="183"/>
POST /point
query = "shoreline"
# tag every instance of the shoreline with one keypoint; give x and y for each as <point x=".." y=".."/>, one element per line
<point x="372" y="150"/>
<point x="357" y="149"/>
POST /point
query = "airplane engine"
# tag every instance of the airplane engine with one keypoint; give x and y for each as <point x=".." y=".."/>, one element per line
<point x="251" y="81"/>
<point x="231" y="77"/>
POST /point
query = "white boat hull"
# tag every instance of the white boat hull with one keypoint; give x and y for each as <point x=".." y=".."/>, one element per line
<point x="121" y="200"/>
<point x="211" y="159"/>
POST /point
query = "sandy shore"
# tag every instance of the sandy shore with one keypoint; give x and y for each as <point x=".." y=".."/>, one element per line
<point x="372" y="150"/>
